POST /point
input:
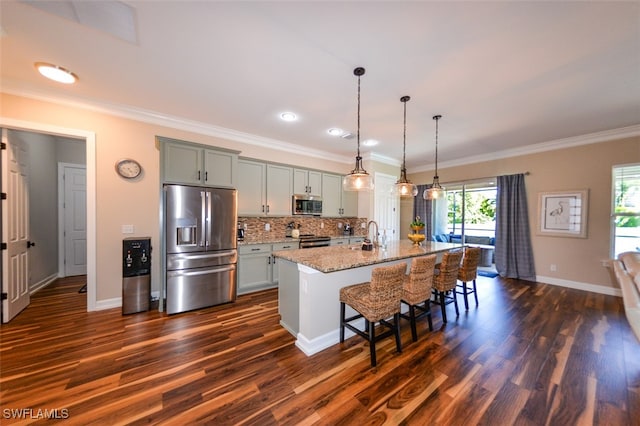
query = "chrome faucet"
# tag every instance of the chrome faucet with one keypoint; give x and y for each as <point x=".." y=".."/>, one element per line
<point x="375" y="236"/>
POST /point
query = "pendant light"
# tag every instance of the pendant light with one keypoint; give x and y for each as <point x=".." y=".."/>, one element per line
<point x="358" y="179"/>
<point x="403" y="187"/>
<point x="436" y="191"/>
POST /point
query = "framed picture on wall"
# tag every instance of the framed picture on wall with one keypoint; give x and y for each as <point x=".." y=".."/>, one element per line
<point x="563" y="214"/>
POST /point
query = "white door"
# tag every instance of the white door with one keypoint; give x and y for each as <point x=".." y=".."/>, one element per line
<point x="75" y="220"/>
<point x="387" y="207"/>
<point x="15" y="226"/>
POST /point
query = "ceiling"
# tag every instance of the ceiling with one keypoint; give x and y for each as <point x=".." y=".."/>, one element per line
<point x="506" y="76"/>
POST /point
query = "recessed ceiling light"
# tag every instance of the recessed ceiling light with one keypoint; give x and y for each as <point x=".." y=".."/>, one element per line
<point x="370" y="142"/>
<point x="288" y="116"/>
<point x="56" y="73"/>
<point x="335" y="131"/>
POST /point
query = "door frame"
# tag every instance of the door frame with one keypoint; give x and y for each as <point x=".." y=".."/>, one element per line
<point x="62" y="269"/>
<point x="90" y="146"/>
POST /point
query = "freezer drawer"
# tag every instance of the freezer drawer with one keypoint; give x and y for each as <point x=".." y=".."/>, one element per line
<point x="200" y="288"/>
<point x="204" y="259"/>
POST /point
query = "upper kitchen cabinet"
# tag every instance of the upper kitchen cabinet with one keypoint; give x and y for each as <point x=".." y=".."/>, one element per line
<point x="307" y="182"/>
<point x="335" y="201"/>
<point x="264" y="189"/>
<point x="187" y="163"/>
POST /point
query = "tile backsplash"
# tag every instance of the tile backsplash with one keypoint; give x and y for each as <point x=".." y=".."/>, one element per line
<point x="255" y="226"/>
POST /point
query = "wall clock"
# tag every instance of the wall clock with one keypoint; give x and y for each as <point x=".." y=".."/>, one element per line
<point x="128" y="168"/>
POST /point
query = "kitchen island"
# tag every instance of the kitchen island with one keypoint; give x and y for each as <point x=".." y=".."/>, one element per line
<point x="310" y="281"/>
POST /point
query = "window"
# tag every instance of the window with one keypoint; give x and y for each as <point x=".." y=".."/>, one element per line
<point x="471" y="209"/>
<point x="625" y="216"/>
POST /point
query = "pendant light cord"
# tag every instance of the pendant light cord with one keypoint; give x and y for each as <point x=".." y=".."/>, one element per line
<point x="404" y="139"/>
<point x="359" y="116"/>
<point x="437" y="118"/>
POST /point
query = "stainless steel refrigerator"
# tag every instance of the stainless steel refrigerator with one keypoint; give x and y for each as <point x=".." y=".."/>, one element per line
<point x="201" y="247"/>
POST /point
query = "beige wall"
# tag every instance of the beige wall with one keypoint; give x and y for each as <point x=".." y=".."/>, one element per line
<point x="120" y="202"/>
<point x="578" y="260"/>
<point x="137" y="202"/>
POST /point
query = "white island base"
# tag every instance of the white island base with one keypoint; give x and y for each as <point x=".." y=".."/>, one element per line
<point x="309" y="303"/>
<point x="309" y="299"/>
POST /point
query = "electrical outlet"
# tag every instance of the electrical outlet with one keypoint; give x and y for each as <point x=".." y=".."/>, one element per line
<point x="363" y="225"/>
<point x="339" y="225"/>
<point x="127" y="229"/>
<point x="553" y="267"/>
<point x="267" y="227"/>
<point x="321" y="225"/>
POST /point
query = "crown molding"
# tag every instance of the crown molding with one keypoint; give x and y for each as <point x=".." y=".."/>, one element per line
<point x="152" y="117"/>
<point x="573" y="141"/>
<point x="372" y="156"/>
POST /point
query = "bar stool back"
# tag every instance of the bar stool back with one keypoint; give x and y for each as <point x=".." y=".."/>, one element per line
<point x="416" y="291"/>
<point x="375" y="301"/>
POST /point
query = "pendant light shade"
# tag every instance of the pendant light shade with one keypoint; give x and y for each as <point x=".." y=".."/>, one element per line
<point x="436" y="191"/>
<point x="358" y="179"/>
<point x="404" y="187"/>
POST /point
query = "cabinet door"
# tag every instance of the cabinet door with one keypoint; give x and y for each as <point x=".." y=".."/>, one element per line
<point x="254" y="272"/>
<point x="220" y="168"/>
<point x="182" y="164"/>
<point x="251" y="188"/>
<point x="300" y="181"/>
<point x="315" y="183"/>
<point x="274" y="260"/>
<point x="331" y="195"/>
<point x="350" y="203"/>
<point x="279" y="190"/>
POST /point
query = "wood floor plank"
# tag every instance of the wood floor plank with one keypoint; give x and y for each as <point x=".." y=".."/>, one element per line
<point x="529" y="354"/>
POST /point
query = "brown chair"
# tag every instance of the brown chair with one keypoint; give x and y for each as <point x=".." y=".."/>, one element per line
<point x="469" y="272"/>
<point x="416" y="291"/>
<point x="375" y="301"/>
<point x="445" y="279"/>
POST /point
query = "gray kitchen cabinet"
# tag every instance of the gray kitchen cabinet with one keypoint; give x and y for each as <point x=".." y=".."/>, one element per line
<point x="335" y="201"/>
<point x="274" y="265"/>
<point x="252" y="198"/>
<point x="257" y="267"/>
<point x="254" y="268"/>
<point x="307" y="182"/>
<point x="264" y="189"/>
<point x="356" y="240"/>
<point x="188" y="163"/>
<point x="279" y="190"/>
<point x="339" y="241"/>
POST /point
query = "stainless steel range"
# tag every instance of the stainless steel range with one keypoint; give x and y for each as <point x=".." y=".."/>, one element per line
<point x="310" y="241"/>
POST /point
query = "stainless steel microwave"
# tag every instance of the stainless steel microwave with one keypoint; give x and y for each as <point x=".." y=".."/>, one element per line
<point x="306" y="204"/>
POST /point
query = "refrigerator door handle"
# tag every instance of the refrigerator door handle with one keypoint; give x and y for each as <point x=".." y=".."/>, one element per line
<point x="207" y="255"/>
<point x="201" y="271"/>
<point x="203" y="217"/>
<point x="209" y="221"/>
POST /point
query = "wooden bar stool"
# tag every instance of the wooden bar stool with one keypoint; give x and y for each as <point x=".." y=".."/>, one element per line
<point x="416" y="291"/>
<point x="375" y="301"/>
<point x="445" y="279"/>
<point x="469" y="272"/>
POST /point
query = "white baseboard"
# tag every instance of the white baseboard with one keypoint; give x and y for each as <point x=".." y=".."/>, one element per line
<point x="116" y="302"/>
<point x="43" y="283"/>
<point x="594" y="288"/>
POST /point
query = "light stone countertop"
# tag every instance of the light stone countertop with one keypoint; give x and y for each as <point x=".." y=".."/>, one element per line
<point x="338" y="258"/>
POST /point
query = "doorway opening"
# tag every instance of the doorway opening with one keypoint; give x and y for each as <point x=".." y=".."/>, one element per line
<point x="89" y="150"/>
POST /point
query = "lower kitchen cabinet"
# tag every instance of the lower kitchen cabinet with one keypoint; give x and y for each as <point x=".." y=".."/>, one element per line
<point x="257" y="268"/>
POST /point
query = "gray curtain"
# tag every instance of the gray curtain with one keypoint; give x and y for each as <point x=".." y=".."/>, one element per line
<point x="422" y="208"/>
<point x="513" y="255"/>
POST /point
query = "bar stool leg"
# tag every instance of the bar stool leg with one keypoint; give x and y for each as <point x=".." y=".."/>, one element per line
<point x="412" y="316"/>
<point x="464" y="293"/>
<point x="396" y="320"/>
<point x="342" y="310"/>
<point x="372" y="342"/>
<point x="443" y="306"/>
<point x="475" y="293"/>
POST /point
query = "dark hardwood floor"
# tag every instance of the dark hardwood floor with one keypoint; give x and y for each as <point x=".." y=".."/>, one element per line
<point x="530" y="354"/>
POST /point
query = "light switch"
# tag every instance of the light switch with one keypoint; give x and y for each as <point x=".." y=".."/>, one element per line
<point x="127" y="229"/>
